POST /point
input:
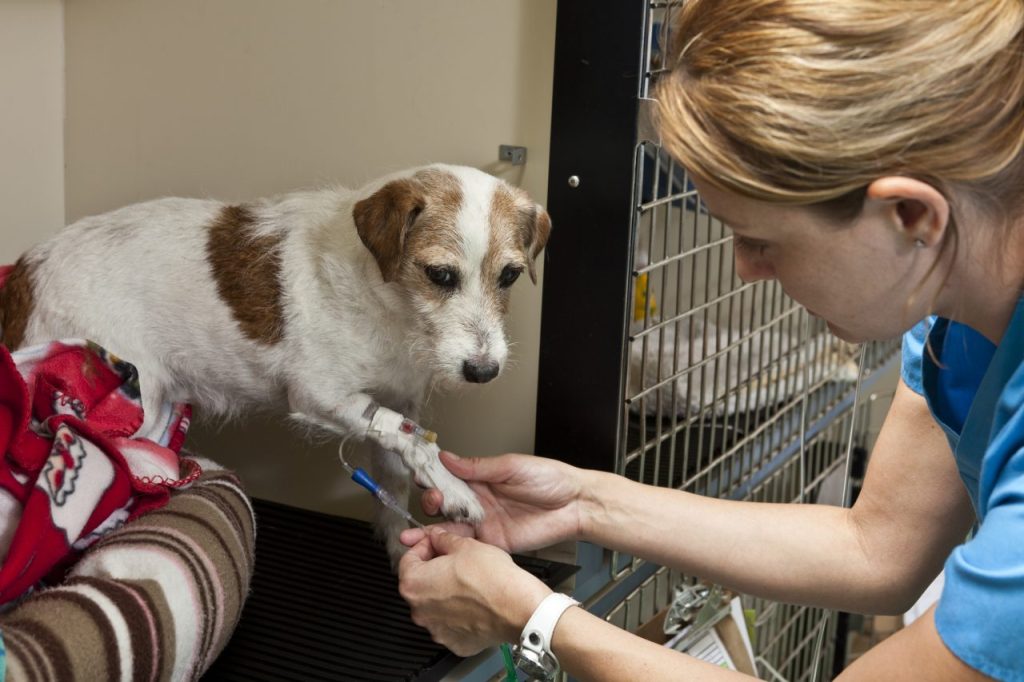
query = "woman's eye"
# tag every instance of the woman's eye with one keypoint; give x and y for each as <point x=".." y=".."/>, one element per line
<point x="509" y="275"/>
<point x="749" y="245"/>
<point x="443" y="276"/>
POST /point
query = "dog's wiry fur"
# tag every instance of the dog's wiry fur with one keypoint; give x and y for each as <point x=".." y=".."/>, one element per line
<point x="312" y="302"/>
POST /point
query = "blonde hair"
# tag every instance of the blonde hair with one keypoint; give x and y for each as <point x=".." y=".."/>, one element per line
<point x="808" y="101"/>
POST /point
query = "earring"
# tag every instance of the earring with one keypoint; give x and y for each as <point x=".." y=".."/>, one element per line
<point x="919" y="243"/>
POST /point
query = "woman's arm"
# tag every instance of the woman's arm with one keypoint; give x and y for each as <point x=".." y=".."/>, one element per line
<point x="470" y="595"/>
<point x="589" y="648"/>
<point x="913" y="653"/>
<point x="876" y="557"/>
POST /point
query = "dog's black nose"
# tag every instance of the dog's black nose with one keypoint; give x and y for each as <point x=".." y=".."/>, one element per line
<point x="479" y="373"/>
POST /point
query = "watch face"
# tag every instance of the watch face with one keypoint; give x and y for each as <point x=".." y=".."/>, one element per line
<point x="533" y="669"/>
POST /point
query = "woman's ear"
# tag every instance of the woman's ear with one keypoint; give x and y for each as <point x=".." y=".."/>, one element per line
<point x="917" y="210"/>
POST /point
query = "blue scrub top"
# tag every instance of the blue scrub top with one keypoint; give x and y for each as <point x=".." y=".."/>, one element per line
<point x="976" y="394"/>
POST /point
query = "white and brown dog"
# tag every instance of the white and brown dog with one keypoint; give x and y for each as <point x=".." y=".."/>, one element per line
<point x="344" y="307"/>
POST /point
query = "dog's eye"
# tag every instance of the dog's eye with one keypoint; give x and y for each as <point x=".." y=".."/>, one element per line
<point x="509" y="275"/>
<point x="442" y="276"/>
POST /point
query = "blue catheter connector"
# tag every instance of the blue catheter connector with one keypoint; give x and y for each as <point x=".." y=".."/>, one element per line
<point x="360" y="476"/>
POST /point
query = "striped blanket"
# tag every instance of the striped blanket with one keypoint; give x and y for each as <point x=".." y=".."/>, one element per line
<point x="148" y="554"/>
<point x="155" y="600"/>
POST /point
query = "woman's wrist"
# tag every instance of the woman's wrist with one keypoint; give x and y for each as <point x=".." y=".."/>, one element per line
<point x="595" y="491"/>
<point x="521" y="602"/>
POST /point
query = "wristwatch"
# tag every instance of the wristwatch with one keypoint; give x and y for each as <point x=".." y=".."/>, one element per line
<point x="533" y="653"/>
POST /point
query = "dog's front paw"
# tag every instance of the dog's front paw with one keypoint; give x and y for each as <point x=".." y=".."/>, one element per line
<point x="460" y="503"/>
<point x="420" y="453"/>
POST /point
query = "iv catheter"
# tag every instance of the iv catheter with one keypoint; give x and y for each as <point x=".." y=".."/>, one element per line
<point x="360" y="476"/>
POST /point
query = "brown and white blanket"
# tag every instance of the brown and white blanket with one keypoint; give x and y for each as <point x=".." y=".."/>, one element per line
<point x="157" y="599"/>
<point x="120" y="558"/>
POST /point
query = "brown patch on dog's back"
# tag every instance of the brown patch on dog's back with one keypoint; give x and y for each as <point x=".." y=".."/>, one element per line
<point x="247" y="270"/>
<point x="16" y="303"/>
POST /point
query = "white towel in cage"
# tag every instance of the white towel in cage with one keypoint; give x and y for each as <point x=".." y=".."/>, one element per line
<point x="713" y="369"/>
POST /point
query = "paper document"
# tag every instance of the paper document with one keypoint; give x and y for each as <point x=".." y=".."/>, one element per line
<point x="710" y="648"/>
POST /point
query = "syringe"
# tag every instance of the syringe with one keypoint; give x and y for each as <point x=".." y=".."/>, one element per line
<point x="360" y="476"/>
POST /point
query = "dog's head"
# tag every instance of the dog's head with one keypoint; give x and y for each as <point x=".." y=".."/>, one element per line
<point x="454" y="240"/>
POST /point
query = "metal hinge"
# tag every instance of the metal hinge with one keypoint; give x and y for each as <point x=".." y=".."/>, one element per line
<point x="646" y="131"/>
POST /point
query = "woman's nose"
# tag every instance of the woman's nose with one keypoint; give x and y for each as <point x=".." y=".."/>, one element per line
<point x="753" y="268"/>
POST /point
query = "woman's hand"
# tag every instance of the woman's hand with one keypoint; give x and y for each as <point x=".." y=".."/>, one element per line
<point x="467" y="594"/>
<point x="529" y="502"/>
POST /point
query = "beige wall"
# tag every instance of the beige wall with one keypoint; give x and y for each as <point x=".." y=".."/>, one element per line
<point x="236" y="99"/>
<point x="31" y="123"/>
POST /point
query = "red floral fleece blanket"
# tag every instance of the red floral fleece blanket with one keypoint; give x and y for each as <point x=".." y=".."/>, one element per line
<point x="75" y="465"/>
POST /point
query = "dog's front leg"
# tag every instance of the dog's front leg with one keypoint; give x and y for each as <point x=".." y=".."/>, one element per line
<point x="361" y="416"/>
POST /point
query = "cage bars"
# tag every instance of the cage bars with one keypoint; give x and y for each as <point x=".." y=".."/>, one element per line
<point x="657" y="362"/>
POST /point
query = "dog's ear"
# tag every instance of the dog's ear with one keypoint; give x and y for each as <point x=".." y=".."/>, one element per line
<point x="383" y="219"/>
<point x="536" y="229"/>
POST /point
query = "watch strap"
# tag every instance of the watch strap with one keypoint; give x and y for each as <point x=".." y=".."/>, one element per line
<point x="535" y="640"/>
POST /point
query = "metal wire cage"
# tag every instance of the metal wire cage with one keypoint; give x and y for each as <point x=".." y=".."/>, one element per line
<point x="723" y="379"/>
<point x="792" y="643"/>
<point x="721" y="375"/>
<point x="731" y="388"/>
<point x="718" y="387"/>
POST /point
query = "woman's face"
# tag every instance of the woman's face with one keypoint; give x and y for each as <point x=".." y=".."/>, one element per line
<point x="862" y="278"/>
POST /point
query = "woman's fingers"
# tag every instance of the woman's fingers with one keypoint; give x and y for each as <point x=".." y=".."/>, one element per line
<point x="485" y="469"/>
<point x="423" y="550"/>
<point x="412" y="536"/>
<point x="472" y="469"/>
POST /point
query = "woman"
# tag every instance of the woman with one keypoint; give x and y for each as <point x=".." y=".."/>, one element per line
<point x="868" y="155"/>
